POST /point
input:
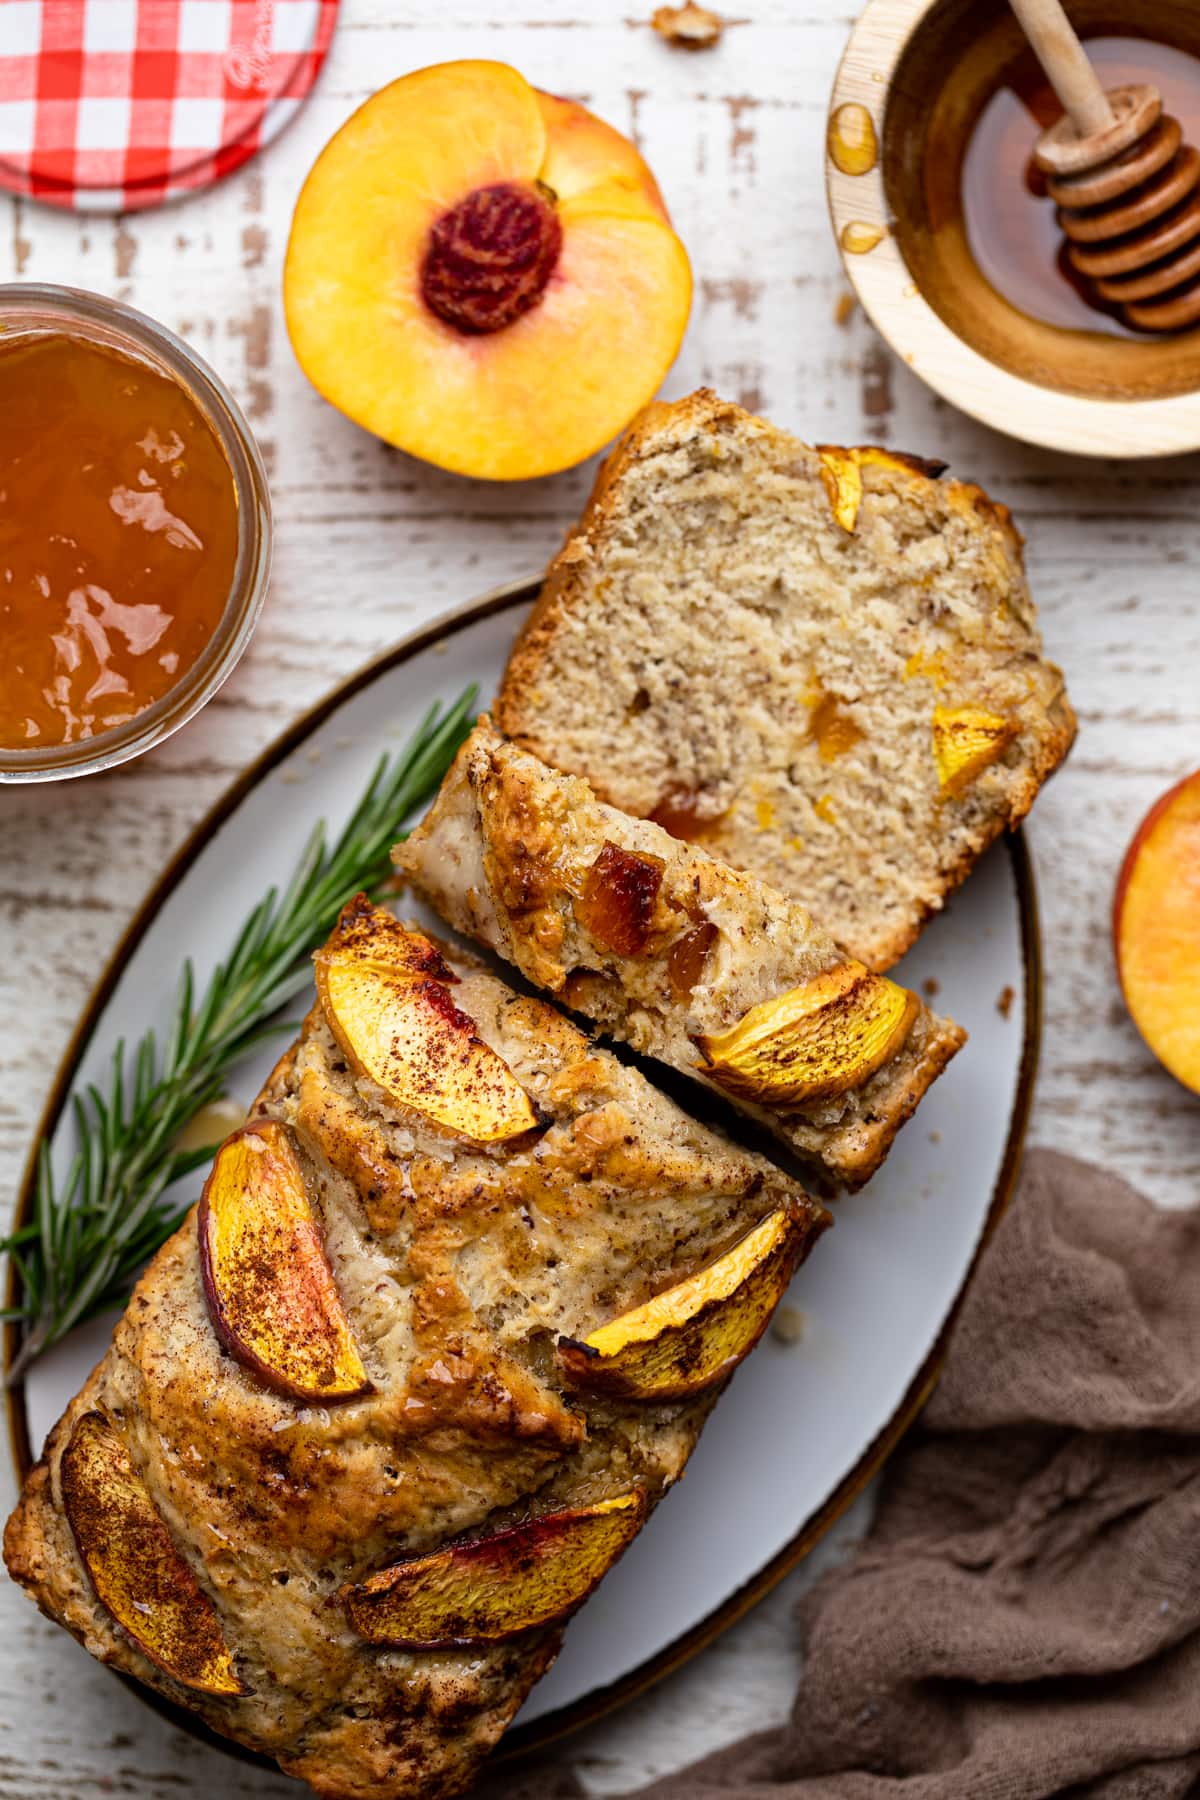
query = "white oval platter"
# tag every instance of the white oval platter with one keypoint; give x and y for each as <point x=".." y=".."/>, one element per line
<point x="806" y="1423"/>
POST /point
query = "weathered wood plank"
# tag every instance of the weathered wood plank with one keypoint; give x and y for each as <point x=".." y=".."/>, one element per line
<point x="370" y="544"/>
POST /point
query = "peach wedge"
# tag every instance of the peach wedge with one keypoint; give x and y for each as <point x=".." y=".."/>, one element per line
<point x="694" y="1334"/>
<point x="488" y="1589"/>
<point x="617" y="903"/>
<point x="1156" y="930"/>
<point x="815" y="1041"/>
<point x="270" y="1291"/>
<point x="386" y="995"/>
<point x="965" y="740"/>
<point x="135" y="1568"/>
<point x="841" y="471"/>
<point x="484" y="275"/>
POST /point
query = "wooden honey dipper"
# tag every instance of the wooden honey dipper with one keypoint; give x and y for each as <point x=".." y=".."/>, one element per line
<point x="1125" y="184"/>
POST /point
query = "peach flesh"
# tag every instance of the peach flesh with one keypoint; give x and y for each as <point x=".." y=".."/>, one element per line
<point x="691" y="1336"/>
<point x="618" y="899"/>
<point x="138" y="1575"/>
<point x="385" y="995"/>
<point x="1156" y="930"/>
<point x="380" y="229"/>
<point x="488" y="1589"/>
<point x="815" y="1041"/>
<point x="271" y="1294"/>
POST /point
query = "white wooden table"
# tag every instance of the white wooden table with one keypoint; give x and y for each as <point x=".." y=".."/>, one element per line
<point x="369" y="544"/>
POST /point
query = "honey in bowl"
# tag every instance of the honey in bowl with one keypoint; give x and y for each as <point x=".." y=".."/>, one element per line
<point x="1011" y="226"/>
<point x="118" y="537"/>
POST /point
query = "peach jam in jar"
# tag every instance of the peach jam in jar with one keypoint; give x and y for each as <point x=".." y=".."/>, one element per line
<point x="124" y="555"/>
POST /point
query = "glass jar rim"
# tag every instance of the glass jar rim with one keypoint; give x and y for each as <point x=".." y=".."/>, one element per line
<point x="42" y="308"/>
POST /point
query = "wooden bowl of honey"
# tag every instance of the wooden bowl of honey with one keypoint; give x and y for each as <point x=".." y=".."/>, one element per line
<point x="135" y="533"/>
<point x="951" y="244"/>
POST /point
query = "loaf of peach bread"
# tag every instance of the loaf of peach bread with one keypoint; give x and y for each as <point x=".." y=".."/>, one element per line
<point x="713" y="972"/>
<point x="822" y="664"/>
<point x="393" y="1398"/>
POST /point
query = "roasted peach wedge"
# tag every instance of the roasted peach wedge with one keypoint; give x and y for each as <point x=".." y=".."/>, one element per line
<point x="487" y="1589"/>
<point x="271" y="1293"/>
<point x="692" y="1335"/>
<point x="617" y="902"/>
<point x="484" y="275"/>
<point x="815" y="1041"/>
<point x="385" y="992"/>
<point x="841" y="471"/>
<point x="965" y="740"/>
<point x="135" y="1568"/>
<point x="1156" y="930"/>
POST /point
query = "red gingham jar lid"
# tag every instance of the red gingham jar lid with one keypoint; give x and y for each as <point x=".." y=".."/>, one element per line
<point x="111" y="105"/>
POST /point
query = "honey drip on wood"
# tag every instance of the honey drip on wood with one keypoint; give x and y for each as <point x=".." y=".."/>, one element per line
<point x="859" y="236"/>
<point x="1010" y="220"/>
<point x="852" y="140"/>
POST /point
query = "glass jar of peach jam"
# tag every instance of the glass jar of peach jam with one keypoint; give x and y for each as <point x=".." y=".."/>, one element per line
<point x="135" y="533"/>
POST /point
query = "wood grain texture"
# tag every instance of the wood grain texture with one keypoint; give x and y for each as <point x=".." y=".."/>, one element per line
<point x="370" y="543"/>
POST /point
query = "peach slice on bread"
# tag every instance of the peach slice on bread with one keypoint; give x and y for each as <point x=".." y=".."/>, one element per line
<point x="487" y="1589"/>
<point x="815" y="1041"/>
<point x="841" y="471"/>
<point x="385" y="993"/>
<point x="484" y="275"/>
<point x="270" y="1291"/>
<point x="693" y="1334"/>
<point x="136" y="1570"/>
<point x="617" y="902"/>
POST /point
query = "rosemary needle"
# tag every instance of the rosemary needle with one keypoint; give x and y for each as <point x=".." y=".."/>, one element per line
<point x="88" y="1238"/>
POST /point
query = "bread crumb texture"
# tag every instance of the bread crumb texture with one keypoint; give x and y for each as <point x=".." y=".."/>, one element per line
<point x="509" y="853"/>
<point x="715" y="649"/>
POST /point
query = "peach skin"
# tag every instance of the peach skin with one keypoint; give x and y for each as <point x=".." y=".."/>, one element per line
<point x="1156" y="930"/>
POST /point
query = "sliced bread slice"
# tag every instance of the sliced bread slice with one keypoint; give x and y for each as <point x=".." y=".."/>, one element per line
<point x="823" y="664"/>
<point x="712" y="972"/>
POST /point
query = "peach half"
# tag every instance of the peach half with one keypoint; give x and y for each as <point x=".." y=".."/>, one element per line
<point x="135" y="1568"/>
<point x="484" y="275"/>
<point x="1156" y="929"/>
<point x="385" y="993"/>
<point x="487" y="1589"/>
<point x="270" y="1291"/>
<point x="691" y="1336"/>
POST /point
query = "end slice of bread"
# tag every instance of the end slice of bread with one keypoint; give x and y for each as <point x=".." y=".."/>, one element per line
<point x="824" y="665"/>
<point x="669" y="950"/>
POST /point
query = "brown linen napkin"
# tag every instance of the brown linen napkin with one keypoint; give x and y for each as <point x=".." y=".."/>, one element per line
<point x="1024" y="1618"/>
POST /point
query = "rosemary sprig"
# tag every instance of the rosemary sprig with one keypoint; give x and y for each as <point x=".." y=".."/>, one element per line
<point x="89" y="1238"/>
